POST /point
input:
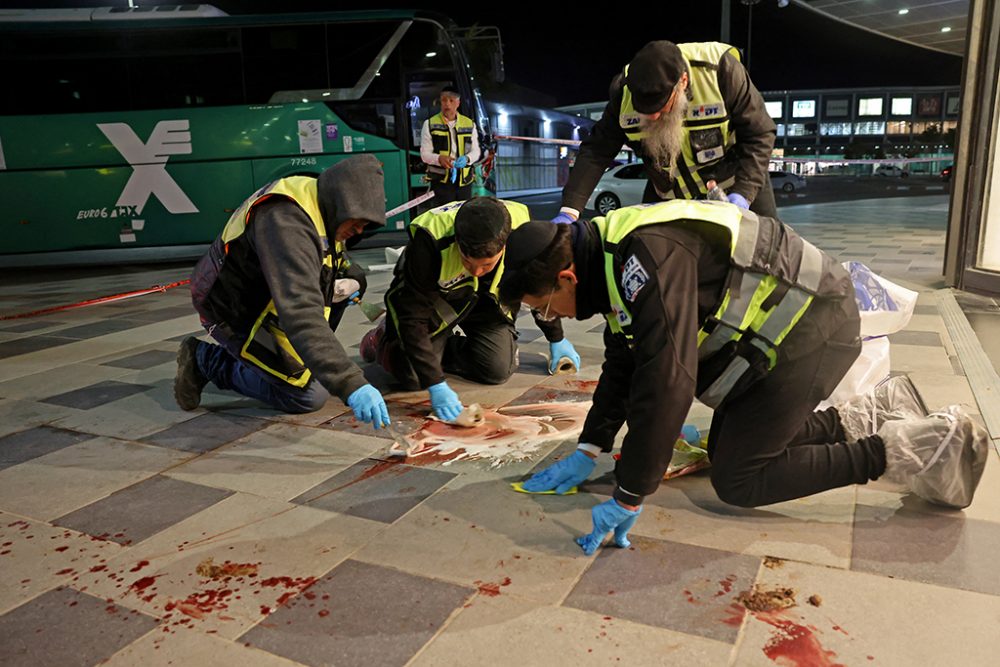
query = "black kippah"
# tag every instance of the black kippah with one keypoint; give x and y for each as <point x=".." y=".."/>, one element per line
<point x="528" y="242"/>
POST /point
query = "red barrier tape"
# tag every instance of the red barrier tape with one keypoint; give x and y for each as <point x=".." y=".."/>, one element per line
<point x="94" y="302"/>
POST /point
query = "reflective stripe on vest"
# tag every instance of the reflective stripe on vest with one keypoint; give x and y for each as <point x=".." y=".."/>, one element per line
<point x="441" y="138"/>
<point x="267" y="346"/>
<point x="440" y="224"/>
<point x="707" y="136"/>
<point x="755" y="302"/>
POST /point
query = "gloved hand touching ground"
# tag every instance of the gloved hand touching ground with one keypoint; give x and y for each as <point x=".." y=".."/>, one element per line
<point x="445" y="402"/>
<point x="369" y="406"/>
<point x="609" y="516"/>
<point x="562" y="475"/>
<point x="561" y="349"/>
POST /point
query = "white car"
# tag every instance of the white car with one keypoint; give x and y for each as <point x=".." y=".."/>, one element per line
<point x="619" y="186"/>
<point x="786" y="181"/>
<point x="891" y="170"/>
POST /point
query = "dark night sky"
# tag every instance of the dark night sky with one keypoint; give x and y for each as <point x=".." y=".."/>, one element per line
<point x="574" y="54"/>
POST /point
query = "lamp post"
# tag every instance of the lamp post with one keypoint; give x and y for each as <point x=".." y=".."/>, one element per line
<point x="749" y="5"/>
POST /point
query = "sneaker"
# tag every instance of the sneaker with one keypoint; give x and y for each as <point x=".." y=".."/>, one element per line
<point x="940" y="457"/>
<point x="189" y="380"/>
<point x="894" y="398"/>
<point x="370" y="342"/>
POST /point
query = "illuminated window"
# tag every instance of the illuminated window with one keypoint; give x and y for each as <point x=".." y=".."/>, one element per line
<point x="803" y="108"/>
<point x="902" y="106"/>
<point x="840" y="129"/>
<point x="773" y="109"/>
<point x="870" y="106"/>
<point x="898" y="127"/>
<point x="871" y="128"/>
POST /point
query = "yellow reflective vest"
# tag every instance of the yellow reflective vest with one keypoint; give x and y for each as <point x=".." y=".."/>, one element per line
<point x="441" y="140"/>
<point x="707" y="135"/>
<point x="774" y="276"/>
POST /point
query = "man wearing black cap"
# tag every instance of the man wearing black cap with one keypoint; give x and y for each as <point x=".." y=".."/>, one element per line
<point x="449" y="275"/>
<point x="703" y="299"/>
<point x="692" y="114"/>
<point x="271" y="292"/>
<point x="449" y="146"/>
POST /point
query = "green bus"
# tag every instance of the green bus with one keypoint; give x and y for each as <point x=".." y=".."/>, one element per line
<point x="131" y="134"/>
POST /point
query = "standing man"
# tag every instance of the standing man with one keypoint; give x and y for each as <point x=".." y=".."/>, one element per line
<point x="449" y="275"/>
<point x="267" y="291"/>
<point x="692" y="114"/>
<point x="703" y="299"/>
<point x="449" y="145"/>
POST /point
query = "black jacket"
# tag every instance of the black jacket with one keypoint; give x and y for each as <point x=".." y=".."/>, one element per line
<point x="410" y="299"/>
<point x="747" y="160"/>
<point x="652" y="384"/>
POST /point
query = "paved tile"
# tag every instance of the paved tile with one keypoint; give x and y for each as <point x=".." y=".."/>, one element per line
<point x="12" y="348"/>
<point x="669" y="585"/>
<point x="227" y="568"/>
<point x="906" y="539"/>
<point x="19" y="415"/>
<point x="863" y="619"/>
<point x="90" y="397"/>
<point x="548" y="394"/>
<point x="28" y="324"/>
<point x="79" y="475"/>
<point x="98" y="328"/>
<point x="181" y="646"/>
<point x="506" y="630"/>
<point x="405" y="416"/>
<point x="35" y="386"/>
<point x="360" y="614"/>
<point x="907" y="337"/>
<point x="143" y="360"/>
<point x="30" y="444"/>
<point x="67" y="628"/>
<point x="168" y="313"/>
<point x="36" y="557"/>
<point x="132" y="417"/>
<point x="375" y="489"/>
<point x="205" y="432"/>
<point x="131" y="515"/>
<point x="281" y="461"/>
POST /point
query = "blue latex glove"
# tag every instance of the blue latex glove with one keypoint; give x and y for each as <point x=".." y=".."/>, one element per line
<point x="355" y="298"/>
<point x="691" y="434"/>
<point x="453" y="174"/>
<point x="462" y="162"/>
<point x="609" y="516"/>
<point x="563" y="348"/>
<point x="562" y="475"/>
<point x="739" y="200"/>
<point x="563" y="218"/>
<point x="445" y="402"/>
<point x="369" y="406"/>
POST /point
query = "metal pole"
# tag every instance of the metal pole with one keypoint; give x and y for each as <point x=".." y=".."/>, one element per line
<point x="724" y="29"/>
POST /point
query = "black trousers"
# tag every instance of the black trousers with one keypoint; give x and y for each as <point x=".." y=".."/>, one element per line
<point x="768" y="445"/>
<point x="449" y="192"/>
<point x="486" y="354"/>
<point x="764" y="204"/>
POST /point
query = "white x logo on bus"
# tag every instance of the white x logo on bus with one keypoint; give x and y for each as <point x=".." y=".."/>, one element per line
<point x="148" y="161"/>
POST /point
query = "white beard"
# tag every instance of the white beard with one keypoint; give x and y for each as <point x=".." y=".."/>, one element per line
<point x="664" y="135"/>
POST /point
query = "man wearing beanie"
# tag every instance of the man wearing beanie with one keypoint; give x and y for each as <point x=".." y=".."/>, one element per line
<point x="449" y="276"/>
<point x="272" y="289"/>
<point x="692" y="114"/>
<point x="704" y="300"/>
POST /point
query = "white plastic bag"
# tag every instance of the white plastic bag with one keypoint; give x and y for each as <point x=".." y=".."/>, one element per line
<point x="885" y="308"/>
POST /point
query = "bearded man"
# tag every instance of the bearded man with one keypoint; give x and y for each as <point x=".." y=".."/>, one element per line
<point x="692" y="114"/>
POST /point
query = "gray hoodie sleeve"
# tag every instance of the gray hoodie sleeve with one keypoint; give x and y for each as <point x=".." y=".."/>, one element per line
<point x="291" y="258"/>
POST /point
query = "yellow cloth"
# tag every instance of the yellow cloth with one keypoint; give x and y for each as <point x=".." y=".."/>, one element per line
<point x="519" y="487"/>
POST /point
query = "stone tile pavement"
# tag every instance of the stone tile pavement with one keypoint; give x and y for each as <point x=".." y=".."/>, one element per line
<point x="134" y="533"/>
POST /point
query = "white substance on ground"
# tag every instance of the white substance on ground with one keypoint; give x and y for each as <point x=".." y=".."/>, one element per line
<point x="506" y="435"/>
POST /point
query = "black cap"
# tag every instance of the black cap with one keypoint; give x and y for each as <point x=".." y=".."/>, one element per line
<point x="652" y="75"/>
<point x="528" y="242"/>
<point x="481" y="220"/>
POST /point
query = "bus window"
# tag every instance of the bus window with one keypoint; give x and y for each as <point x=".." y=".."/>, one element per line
<point x="283" y="57"/>
<point x="183" y="68"/>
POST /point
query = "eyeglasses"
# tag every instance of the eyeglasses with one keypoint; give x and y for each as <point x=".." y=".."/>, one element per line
<point x="544" y="316"/>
